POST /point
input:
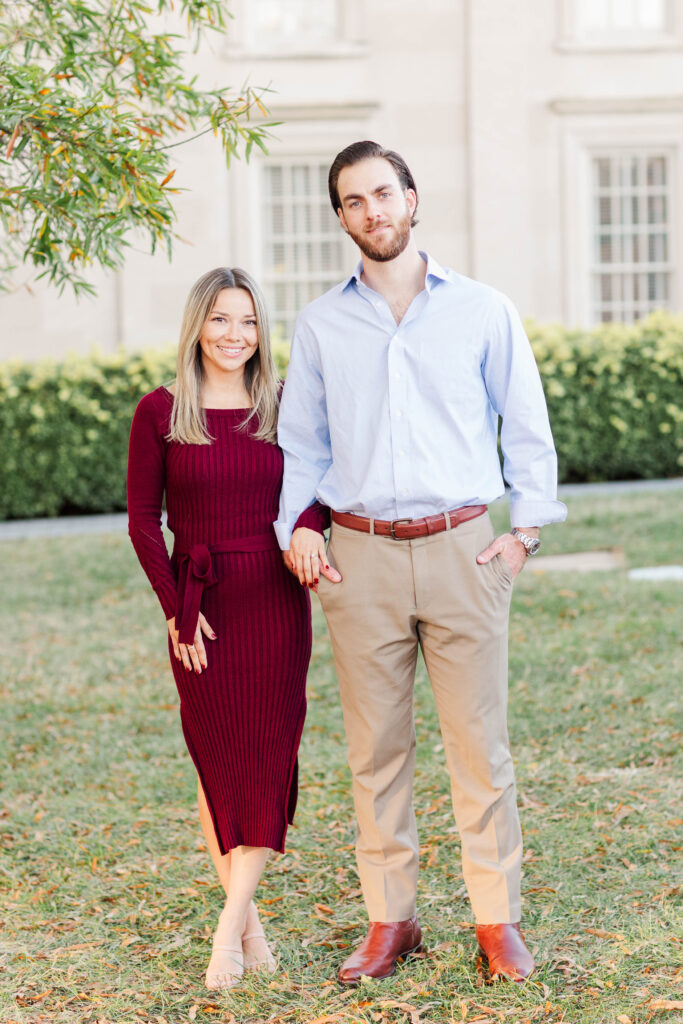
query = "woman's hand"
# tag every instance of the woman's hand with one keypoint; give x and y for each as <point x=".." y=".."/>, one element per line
<point x="193" y="656"/>
<point x="307" y="558"/>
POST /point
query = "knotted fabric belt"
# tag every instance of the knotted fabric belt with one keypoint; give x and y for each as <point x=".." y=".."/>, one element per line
<point x="409" y="529"/>
<point x="195" y="572"/>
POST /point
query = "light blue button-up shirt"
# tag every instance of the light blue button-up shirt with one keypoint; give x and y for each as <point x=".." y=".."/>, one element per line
<point x="401" y="421"/>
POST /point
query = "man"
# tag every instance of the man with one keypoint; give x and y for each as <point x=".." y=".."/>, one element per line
<point x="389" y="416"/>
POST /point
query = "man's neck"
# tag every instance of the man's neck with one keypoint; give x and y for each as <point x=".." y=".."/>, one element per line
<point x="398" y="280"/>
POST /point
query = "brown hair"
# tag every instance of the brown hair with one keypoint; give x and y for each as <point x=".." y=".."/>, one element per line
<point x="188" y="421"/>
<point x="358" y="151"/>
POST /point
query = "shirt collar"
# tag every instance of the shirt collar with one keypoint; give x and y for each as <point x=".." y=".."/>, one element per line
<point x="435" y="272"/>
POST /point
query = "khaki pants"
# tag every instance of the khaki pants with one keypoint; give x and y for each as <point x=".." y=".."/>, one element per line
<point x="394" y="596"/>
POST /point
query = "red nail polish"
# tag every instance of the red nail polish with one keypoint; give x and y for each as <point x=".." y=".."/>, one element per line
<point x="326" y="565"/>
<point x="214" y="637"/>
<point x="315" y="580"/>
<point x="187" y="669"/>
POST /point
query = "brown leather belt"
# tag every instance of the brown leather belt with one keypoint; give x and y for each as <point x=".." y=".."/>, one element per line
<point x="409" y="529"/>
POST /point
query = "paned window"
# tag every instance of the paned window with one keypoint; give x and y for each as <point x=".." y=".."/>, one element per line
<point x="632" y="258"/>
<point x="303" y="242"/>
<point x="295" y="21"/>
<point x="600" y="17"/>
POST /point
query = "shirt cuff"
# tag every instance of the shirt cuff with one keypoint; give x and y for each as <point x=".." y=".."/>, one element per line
<point x="315" y="517"/>
<point x="283" y="532"/>
<point x="536" y="513"/>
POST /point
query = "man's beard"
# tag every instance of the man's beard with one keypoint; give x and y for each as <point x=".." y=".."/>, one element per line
<point x="385" y="251"/>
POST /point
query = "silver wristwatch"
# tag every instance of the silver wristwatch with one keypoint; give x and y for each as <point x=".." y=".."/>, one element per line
<point x="532" y="544"/>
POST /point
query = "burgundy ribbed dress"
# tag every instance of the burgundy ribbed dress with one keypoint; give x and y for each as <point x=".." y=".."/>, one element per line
<point x="242" y="717"/>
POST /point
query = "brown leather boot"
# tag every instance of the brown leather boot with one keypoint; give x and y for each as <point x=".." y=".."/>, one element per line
<point x="380" y="950"/>
<point x="502" y="945"/>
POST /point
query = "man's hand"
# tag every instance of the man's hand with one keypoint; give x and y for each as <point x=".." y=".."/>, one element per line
<point x="307" y="558"/>
<point x="512" y="550"/>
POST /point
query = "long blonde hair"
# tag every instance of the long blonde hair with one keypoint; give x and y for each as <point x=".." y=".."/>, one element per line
<point x="188" y="421"/>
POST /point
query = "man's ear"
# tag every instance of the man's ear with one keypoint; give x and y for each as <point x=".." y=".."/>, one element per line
<point x="411" y="200"/>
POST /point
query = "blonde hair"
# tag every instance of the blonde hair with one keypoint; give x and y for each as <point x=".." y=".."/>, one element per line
<point x="188" y="420"/>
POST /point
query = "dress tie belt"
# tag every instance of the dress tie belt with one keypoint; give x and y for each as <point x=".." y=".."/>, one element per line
<point x="195" y="572"/>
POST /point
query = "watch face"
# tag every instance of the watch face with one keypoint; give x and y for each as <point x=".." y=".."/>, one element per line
<point x="532" y="544"/>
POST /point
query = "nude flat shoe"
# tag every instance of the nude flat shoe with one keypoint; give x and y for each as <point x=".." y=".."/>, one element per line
<point x="252" y="963"/>
<point x="221" y="979"/>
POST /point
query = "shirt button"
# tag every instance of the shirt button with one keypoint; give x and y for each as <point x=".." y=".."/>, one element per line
<point x="401" y="453"/>
<point x="399" y="414"/>
<point x="404" y="491"/>
<point x="397" y="376"/>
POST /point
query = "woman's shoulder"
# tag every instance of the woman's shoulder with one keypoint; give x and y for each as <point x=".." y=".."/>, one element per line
<point x="154" y="409"/>
<point x="158" y="401"/>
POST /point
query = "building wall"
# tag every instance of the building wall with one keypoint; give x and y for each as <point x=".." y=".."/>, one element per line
<point x="499" y="109"/>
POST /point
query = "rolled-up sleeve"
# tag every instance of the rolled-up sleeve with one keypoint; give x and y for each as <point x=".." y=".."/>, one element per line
<point x="516" y="394"/>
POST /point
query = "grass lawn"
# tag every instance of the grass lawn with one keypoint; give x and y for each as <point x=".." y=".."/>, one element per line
<point x="108" y="895"/>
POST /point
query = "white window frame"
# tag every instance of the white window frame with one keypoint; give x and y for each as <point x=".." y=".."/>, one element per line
<point x="242" y="40"/>
<point x="629" y="268"/>
<point x="306" y="136"/>
<point x="572" y="38"/>
<point x="584" y="138"/>
<point x="267" y="278"/>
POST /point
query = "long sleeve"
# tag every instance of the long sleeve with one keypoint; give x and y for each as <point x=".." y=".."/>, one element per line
<point x="514" y="387"/>
<point x="145" y="484"/>
<point x="315" y="517"/>
<point x="303" y="435"/>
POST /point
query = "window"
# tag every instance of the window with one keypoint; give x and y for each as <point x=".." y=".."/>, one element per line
<point x="295" y="22"/>
<point x="603" y="17"/>
<point x="303" y="250"/>
<point x="632" y="268"/>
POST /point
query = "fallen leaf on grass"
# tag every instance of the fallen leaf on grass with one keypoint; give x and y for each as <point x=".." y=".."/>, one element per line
<point x="666" y="1004"/>
<point x="623" y="1019"/>
<point x="602" y="934"/>
<point x="530" y="803"/>
<point x="621" y="812"/>
<point x="30" y="1000"/>
<point x="408" y="1008"/>
<point x="76" y="946"/>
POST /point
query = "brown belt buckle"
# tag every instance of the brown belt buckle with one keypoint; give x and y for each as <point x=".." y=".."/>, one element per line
<point x="396" y="522"/>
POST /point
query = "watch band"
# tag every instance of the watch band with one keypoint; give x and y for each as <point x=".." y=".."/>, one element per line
<point x="532" y="544"/>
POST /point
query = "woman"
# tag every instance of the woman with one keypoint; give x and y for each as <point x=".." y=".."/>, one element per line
<point x="239" y="623"/>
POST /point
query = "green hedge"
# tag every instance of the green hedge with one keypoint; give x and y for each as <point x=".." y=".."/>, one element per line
<point x="613" y="395"/>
